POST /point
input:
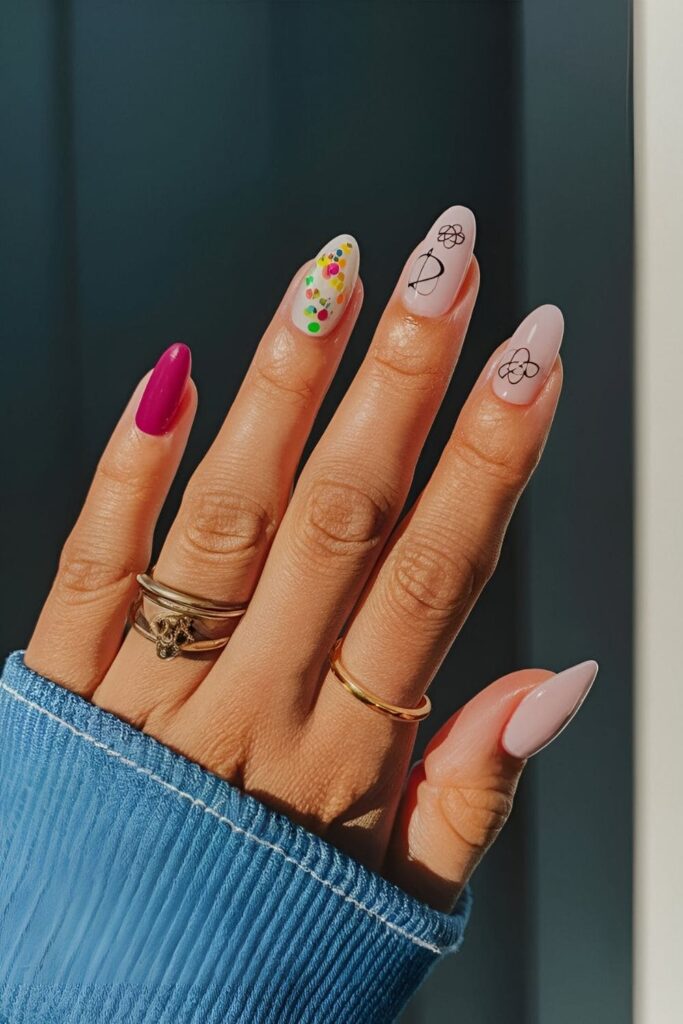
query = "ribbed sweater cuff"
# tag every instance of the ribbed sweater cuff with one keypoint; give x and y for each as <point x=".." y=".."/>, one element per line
<point x="137" y="887"/>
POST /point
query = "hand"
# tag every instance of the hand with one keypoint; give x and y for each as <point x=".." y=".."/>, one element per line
<point x="266" y="712"/>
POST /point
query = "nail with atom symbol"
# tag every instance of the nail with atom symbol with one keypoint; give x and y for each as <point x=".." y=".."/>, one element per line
<point x="529" y="356"/>
<point x="438" y="266"/>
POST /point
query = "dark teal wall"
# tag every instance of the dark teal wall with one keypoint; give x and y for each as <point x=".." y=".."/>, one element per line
<point x="578" y="245"/>
<point x="155" y="153"/>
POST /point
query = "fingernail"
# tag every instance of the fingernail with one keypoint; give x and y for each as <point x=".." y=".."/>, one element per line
<point x="165" y="387"/>
<point x="437" y="270"/>
<point x="529" y="356"/>
<point x="324" y="293"/>
<point x="544" y="712"/>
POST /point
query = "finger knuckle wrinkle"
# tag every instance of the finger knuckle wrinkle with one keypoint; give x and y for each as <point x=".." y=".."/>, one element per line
<point x="501" y="465"/>
<point x="225" y="523"/>
<point x="119" y="472"/>
<point x="428" y="583"/>
<point x="408" y="361"/>
<point x="281" y="376"/>
<point x="84" y="578"/>
<point x="477" y="814"/>
<point x="341" y="518"/>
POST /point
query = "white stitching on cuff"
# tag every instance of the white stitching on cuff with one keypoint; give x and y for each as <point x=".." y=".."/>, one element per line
<point x="196" y="802"/>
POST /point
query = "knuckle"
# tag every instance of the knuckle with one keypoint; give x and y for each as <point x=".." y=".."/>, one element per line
<point x="280" y="375"/>
<point x="476" y="814"/>
<point x="503" y="465"/>
<point x="84" y="578"/>
<point x="429" y="583"/>
<point x="404" y="355"/>
<point x="122" y="473"/>
<point x="341" y="518"/>
<point x="224" y="523"/>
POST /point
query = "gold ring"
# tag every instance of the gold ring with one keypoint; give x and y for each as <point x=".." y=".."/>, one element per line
<point x="370" y="699"/>
<point x="179" y="632"/>
<point x="189" y="604"/>
<point x="172" y="634"/>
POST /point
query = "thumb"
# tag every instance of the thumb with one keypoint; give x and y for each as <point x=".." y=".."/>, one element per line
<point x="459" y="797"/>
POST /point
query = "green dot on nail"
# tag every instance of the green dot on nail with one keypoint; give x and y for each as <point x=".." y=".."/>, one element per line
<point x="314" y="328"/>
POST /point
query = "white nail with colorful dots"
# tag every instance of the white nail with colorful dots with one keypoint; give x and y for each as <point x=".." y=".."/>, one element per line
<point x="328" y="284"/>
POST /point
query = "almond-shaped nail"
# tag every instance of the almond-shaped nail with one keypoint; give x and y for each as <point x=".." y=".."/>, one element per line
<point x="164" y="390"/>
<point x="544" y="712"/>
<point x="438" y="266"/>
<point x="324" y="293"/>
<point x="529" y="356"/>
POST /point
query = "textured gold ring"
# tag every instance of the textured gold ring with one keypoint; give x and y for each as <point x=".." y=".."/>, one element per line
<point x="178" y="630"/>
<point x="371" y="700"/>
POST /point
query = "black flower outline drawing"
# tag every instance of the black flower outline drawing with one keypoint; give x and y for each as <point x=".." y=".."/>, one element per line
<point x="519" y="365"/>
<point x="450" y="235"/>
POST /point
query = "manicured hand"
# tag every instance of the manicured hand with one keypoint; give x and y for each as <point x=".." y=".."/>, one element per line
<point x="325" y="556"/>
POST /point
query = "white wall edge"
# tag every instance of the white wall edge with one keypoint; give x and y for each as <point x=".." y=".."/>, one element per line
<point x="658" y="904"/>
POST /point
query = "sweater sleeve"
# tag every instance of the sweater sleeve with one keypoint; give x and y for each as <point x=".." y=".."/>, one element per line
<point x="136" y="887"/>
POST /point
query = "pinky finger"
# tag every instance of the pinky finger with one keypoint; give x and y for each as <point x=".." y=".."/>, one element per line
<point x="458" y="799"/>
<point x="81" y="625"/>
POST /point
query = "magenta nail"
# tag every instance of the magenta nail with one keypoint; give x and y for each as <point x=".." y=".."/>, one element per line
<point x="164" y="391"/>
<point x="544" y="712"/>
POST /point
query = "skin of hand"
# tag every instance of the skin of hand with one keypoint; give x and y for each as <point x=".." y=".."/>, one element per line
<point x="327" y="554"/>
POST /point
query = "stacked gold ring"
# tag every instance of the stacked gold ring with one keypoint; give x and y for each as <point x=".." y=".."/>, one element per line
<point x="179" y="632"/>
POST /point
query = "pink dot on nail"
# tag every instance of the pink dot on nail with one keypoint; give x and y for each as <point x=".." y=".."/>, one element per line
<point x="322" y="315"/>
<point x="309" y="293"/>
<point x="333" y="268"/>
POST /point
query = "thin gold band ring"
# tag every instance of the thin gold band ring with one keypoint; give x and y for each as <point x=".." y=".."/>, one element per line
<point x="371" y="700"/>
<point x="188" y="604"/>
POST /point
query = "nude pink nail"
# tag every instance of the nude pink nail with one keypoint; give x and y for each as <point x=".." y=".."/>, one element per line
<point x="438" y="267"/>
<point x="164" y="390"/>
<point x="545" y="712"/>
<point x="529" y="356"/>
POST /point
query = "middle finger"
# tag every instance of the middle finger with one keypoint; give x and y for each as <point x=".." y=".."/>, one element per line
<point x="354" y="485"/>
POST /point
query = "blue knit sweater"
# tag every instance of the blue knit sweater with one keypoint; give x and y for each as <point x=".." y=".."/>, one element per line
<point x="136" y="887"/>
